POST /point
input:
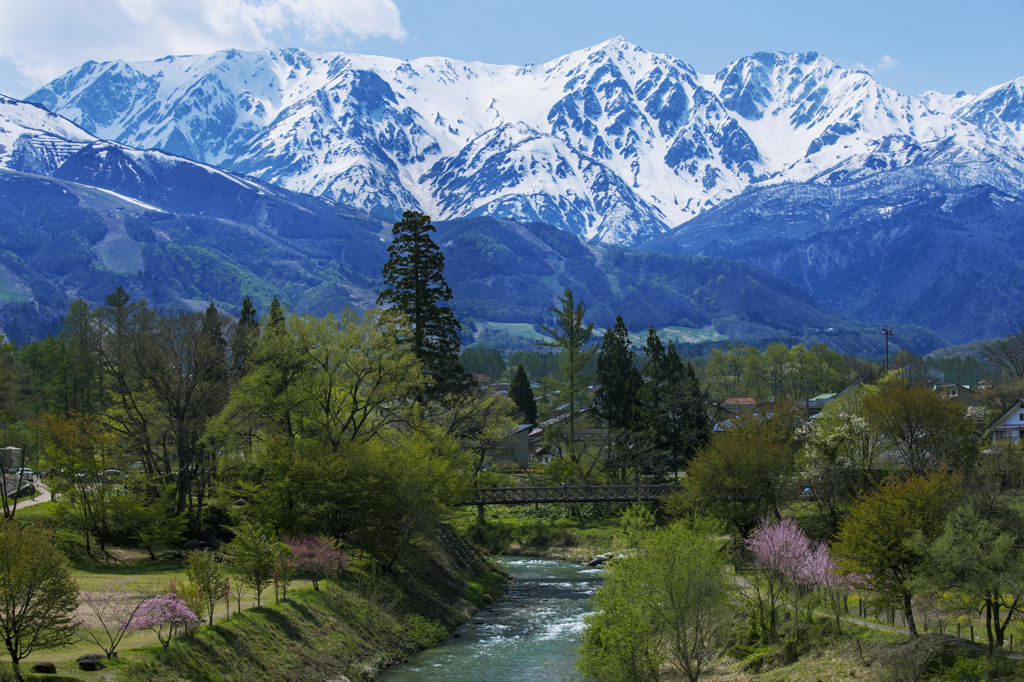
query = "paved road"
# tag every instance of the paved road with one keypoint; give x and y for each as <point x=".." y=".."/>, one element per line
<point x="43" y="495"/>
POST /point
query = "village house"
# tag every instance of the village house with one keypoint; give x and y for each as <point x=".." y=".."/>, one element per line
<point x="1010" y="425"/>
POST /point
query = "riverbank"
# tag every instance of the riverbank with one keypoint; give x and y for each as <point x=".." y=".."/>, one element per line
<point x="565" y="538"/>
<point x="348" y="630"/>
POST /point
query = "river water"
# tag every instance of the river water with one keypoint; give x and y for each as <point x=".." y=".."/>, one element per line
<point x="529" y="634"/>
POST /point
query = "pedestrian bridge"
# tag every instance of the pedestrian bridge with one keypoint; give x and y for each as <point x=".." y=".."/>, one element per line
<point x="569" y="493"/>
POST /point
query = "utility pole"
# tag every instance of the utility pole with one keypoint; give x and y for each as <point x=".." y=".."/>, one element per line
<point x="887" y="333"/>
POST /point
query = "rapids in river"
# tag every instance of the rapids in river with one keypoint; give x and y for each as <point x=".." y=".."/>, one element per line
<point x="529" y="634"/>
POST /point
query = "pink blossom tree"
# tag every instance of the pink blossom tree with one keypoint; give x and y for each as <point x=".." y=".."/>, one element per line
<point x="791" y="563"/>
<point x="314" y="558"/>
<point x="834" y="582"/>
<point x="165" y="615"/>
<point x="783" y="555"/>
<point x="114" y="610"/>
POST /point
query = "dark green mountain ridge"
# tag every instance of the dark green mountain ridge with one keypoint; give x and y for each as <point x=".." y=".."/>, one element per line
<point x="181" y="239"/>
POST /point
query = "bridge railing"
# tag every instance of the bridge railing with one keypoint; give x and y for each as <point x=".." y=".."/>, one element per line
<point x="569" y="493"/>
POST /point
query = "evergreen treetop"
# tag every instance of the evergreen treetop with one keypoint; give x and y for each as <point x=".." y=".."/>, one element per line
<point x="522" y="395"/>
<point x="619" y="382"/>
<point x="415" y="285"/>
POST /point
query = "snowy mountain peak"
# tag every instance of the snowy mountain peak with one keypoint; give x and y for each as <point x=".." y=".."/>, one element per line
<point x="998" y="111"/>
<point x="611" y="142"/>
<point x="34" y="140"/>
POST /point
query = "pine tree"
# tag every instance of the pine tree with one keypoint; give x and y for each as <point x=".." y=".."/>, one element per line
<point x="522" y="395"/>
<point x="619" y="381"/>
<point x="415" y="285"/>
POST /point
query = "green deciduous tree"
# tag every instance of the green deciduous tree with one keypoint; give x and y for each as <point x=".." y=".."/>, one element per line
<point x="483" y="421"/>
<point x="415" y="285"/>
<point x="75" y="445"/>
<point x="38" y="596"/>
<point x="973" y="556"/>
<point x="144" y="510"/>
<point x="840" y="452"/>
<point x="208" y="575"/>
<point x="873" y="538"/>
<point x="406" y="484"/>
<point x="743" y="473"/>
<point x="254" y="553"/>
<point x="666" y="602"/>
<point x="923" y="429"/>
<point x="330" y="380"/>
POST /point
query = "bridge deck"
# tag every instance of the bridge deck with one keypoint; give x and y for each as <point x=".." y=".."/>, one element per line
<point x="569" y="493"/>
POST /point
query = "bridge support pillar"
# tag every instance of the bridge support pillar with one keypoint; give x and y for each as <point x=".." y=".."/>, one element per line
<point x="480" y="514"/>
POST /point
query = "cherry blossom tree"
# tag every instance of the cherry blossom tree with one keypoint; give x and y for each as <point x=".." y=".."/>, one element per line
<point x="791" y="562"/>
<point x="783" y="555"/>
<point x="314" y="558"/>
<point x="165" y="615"/>
<point x="834" y="582"/>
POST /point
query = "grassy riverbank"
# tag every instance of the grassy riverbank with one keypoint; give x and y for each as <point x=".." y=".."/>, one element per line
<point x="545" y="533"/>
<point x="865" y="654"/>
<point x="349" y="629"/>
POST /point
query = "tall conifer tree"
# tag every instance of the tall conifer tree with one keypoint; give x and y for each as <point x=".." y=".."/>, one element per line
<point x="619" y="381"/>
<point x="572" y="337"/>
<point x="522" y="395"/>
<point x="247" y="333"/>
<point x="415" y="285"/>
<point x="672" y="400"/>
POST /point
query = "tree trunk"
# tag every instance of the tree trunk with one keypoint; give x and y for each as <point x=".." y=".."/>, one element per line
<point x="1001" y="625"/>
<point x="908" y="612"/>
<point x="16" y="668"/>
<point x="988" y="622"/>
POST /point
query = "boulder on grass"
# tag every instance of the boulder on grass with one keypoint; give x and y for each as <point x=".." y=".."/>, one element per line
<point x="45" y="668"/>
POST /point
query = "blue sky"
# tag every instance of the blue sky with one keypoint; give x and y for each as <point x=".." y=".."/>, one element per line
<point x="908" y="45"/>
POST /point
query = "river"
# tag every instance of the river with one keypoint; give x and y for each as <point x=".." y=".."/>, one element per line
<point x="529" y="634"/>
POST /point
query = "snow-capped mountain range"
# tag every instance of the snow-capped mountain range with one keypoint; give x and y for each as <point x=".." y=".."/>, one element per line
<point x="612" y="143"/>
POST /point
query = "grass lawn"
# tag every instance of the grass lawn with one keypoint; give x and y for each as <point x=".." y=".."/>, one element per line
<point x="93" y="574"/>
<point x="35" y="511"/>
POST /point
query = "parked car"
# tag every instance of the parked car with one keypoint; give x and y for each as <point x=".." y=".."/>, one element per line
<point x="25" y="474"/>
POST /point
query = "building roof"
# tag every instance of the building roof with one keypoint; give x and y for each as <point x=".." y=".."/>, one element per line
<point x="1014" y="406"/>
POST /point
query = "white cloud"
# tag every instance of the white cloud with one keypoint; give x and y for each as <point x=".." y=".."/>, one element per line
<point x="886" y="63"/>
<point x="44" y="38"/>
